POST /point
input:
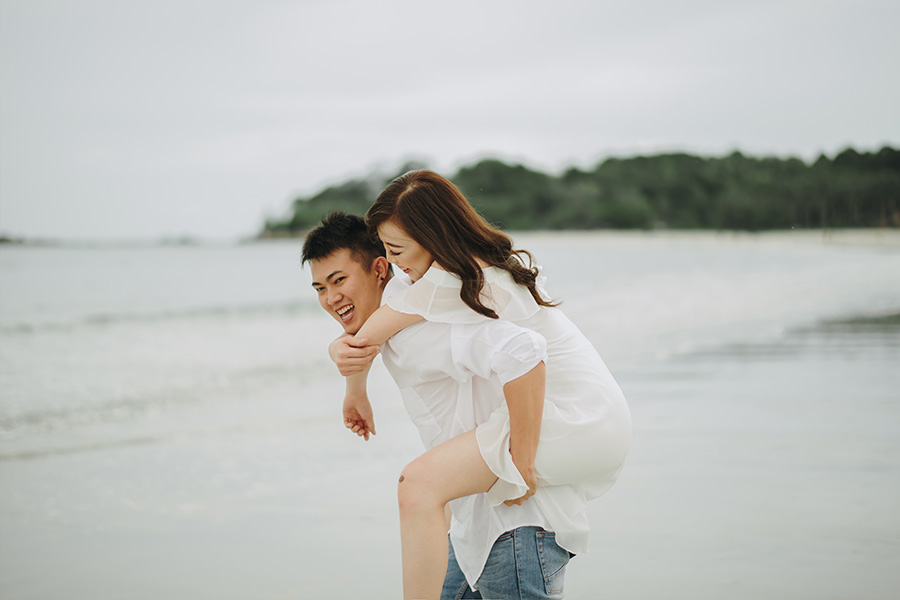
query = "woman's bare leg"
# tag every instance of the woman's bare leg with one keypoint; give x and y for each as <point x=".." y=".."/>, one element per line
<point x="451" y="470"/>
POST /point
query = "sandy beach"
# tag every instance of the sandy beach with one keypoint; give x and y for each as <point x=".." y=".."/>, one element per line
<point x="765" y="463"/>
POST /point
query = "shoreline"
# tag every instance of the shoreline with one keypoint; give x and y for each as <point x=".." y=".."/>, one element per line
<point x="866" y="236"/>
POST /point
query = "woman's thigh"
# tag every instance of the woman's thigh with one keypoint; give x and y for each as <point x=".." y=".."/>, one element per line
<point x="451" y="470"/>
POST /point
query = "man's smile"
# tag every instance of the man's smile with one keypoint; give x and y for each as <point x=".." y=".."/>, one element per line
<point x="345" y="312"/>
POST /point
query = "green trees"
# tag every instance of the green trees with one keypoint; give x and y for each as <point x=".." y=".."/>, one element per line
<point x="666" y="191"/>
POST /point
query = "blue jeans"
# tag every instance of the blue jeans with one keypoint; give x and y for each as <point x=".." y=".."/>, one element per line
<point x="524" y="564"/>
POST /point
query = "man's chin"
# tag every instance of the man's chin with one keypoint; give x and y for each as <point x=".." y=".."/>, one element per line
<point x="352" y="326"/>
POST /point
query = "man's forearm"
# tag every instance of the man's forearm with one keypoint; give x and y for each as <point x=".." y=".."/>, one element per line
<point x="525" y="400"/>
<point x="356" y="383"/>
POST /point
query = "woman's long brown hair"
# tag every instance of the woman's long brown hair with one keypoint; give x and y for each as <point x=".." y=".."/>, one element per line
<point x="433" y="212"/>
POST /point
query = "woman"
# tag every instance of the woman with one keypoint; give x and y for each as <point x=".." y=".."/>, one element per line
<point x="465" y="271"/>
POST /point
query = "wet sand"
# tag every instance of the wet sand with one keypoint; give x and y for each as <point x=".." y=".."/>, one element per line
<point x="758" y="471"/>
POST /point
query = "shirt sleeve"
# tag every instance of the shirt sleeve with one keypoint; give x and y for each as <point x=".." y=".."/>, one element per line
<point x="395" y="286"/>
<point x="496" y="348"/>
<point x="436" y="297"/>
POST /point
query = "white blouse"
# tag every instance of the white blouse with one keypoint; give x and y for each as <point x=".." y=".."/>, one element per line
<point x="586" y="424"/>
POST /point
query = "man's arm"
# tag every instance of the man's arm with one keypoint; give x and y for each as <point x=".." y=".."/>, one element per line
<point x="354" y="364"/>
<point x="357" y="352"/>
<point x="358" y="415"/>
<point x="517" y="357"/>
<point x="525" y="400"/>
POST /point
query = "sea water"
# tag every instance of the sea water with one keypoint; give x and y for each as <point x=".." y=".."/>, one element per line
<point x="170" y="422"/>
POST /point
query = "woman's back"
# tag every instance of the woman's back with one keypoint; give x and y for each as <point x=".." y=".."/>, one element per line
<point x="578" y="381"/>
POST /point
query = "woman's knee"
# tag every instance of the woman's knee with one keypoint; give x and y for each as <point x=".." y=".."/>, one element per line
<point x="413" y="491"/>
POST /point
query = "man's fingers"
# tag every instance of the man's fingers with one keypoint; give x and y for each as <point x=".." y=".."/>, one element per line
<point x="360" y="355"/>
<point x="351" y="350"/>
<point x="521" y="500"/>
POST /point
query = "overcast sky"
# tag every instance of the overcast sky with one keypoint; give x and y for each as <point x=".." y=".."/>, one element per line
<point x="124" y="119"/>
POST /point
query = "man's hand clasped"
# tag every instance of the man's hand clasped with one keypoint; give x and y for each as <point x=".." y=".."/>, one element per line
<point x="352" y="357"/>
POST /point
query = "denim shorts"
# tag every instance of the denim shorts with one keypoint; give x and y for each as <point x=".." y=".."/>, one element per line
<point x="524" y="564"/>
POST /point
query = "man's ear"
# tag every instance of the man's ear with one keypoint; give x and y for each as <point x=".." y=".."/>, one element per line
<point x="382" y="267"/>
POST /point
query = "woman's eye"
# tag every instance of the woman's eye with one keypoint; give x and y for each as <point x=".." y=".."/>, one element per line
<point x="392" y="253"/>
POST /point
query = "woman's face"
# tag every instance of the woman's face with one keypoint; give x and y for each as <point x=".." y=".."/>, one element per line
<point x="403" y="251"/>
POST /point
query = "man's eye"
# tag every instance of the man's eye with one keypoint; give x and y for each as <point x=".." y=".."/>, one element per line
<point x="339" y="279"/>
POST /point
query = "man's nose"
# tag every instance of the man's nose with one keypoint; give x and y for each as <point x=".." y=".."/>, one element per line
<point x="333" y="296"/>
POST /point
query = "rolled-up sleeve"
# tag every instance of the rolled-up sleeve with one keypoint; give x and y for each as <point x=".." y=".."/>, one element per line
<point x="496" y="348"/>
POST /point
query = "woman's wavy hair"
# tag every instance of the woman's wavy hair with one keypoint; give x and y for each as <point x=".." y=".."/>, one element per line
<point x="433" y="212"/>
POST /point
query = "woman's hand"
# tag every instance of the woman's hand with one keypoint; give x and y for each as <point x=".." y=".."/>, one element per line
<point x="358" y="416"/>
<point x="351" y="357"/>
<point x="528" y="474"/>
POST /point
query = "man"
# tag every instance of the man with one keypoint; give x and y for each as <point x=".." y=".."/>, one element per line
<point x="503" y="551"/>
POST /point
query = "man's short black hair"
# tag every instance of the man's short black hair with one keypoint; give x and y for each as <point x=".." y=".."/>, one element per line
<point x="339" y="230"/>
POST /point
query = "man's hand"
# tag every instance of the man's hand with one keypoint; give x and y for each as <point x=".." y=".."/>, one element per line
<point x="525" y="399"/>
<point x="358" y="416"/>
<point x="351" y="357"/>
<point x="527" y="473"/>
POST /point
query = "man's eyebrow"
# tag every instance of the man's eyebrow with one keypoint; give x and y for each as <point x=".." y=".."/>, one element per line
<point x="315" y="283"/>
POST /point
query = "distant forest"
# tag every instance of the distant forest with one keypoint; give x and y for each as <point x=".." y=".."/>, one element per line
<point x="668" y="191"/>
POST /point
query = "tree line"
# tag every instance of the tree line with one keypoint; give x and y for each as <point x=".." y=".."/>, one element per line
<point x="667" y="191"/>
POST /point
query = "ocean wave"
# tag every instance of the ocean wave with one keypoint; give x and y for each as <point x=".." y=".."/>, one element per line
<point x="282" y="309"/>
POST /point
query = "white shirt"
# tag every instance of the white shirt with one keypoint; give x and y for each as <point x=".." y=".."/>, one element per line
<point x="585" y="425"/>
<point x="451" y="379"/>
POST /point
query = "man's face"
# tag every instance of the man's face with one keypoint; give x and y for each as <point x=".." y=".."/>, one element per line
<point x="347" y="291"/>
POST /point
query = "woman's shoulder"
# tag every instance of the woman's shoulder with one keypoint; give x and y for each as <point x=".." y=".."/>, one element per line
<point x="511" y="301"/>
<point x="435" y="296"/>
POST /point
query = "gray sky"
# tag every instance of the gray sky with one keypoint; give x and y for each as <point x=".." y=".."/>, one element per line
<point x="123" y="119"/>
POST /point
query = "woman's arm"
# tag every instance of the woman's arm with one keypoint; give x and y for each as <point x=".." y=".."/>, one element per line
<point x="525" y="400"/>
<point x="383" y="323"/>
